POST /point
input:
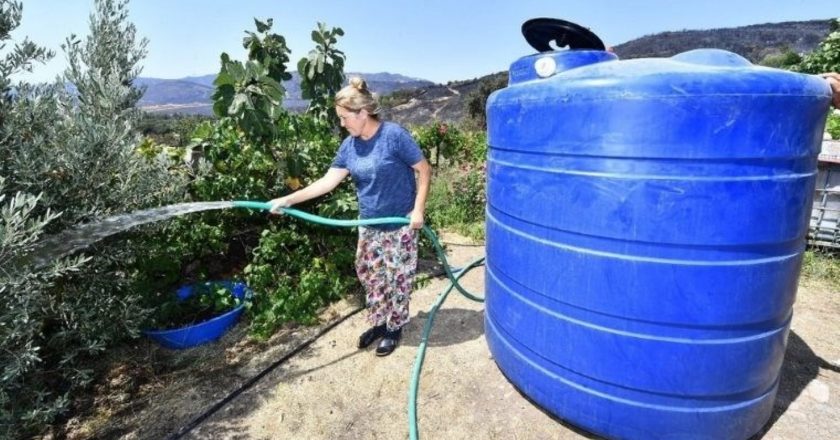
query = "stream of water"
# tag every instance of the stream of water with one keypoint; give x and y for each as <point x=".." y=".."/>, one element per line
<point x="75" y="239"/>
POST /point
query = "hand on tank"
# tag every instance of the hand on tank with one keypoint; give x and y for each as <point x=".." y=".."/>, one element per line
<point x="834" y="81"/>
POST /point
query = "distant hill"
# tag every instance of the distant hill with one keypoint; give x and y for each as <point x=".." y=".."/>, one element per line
<point x="192" y="94"/>
<point x="754" y="42"/>
<point x="418" y="101"/>
<point x="173" y="91"/>
<point x="435" y="103"/>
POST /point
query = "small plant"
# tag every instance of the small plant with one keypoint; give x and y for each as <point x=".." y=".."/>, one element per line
<point x="292" y="277"/>
<point x="457" y="195"/>
<point x="207" y="301"/>
<point x="832" y="125"/>
<point x="823" y="266"/>
<point x="457" y="199"/>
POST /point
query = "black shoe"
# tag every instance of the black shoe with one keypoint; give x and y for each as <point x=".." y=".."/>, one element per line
<point x="370" y="335"/>
<point x="389" y="342"/>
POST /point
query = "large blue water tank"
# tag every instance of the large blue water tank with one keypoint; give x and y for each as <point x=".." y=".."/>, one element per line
<point x="646" y="221"/>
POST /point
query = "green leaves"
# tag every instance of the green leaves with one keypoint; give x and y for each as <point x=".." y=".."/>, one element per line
<point x="457" y="195"/>
<point x="104" y="66"/>
<point x="79" y="153"/>
<point x="293" y="277"/>
<point x="22" y="55"/>
<point x="322" y="73"/>
<point x="251" y="94"/>
<point x="827" y="56"/>
<point x="444" y="142"/>
<point x="476" y="102"/>
<point x="832" y="125"/>
<point x="263" y="27"/>
<point x="206" y="301"/>
<point x="286" y="271"/>
<point x="299" y="150"/>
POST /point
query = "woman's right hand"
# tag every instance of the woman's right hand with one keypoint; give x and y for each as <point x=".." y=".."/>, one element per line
<point x="318" y="188"/>
<point x="279" y="203"/>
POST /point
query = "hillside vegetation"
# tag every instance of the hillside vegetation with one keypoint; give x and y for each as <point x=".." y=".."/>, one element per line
<point x="760" y="43"/>
<point x="755" y="42"/>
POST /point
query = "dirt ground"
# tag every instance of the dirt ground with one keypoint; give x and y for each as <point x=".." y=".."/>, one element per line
<point x="332" y="390"/>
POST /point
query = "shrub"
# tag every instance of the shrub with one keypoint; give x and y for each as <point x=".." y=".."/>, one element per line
<point x="784" y="60"/>
<point x="457" y="199"/>
<point x="832" y="125"/>
<point x="476" y="102"/>
<point x="27" y="307"/>
<point x="296" y="270"/>
<point x="78" y="152"/>
<point x="251" y="93"/>
<point x="259" y="151"/>
<point x="175" y="130"/>
<point x="441" y="141"/>
<point x="827" y="56"/>
<point x="457" y="196"/>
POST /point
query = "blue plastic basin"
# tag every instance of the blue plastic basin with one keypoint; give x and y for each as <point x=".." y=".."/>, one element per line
<point x="205" y="331"/>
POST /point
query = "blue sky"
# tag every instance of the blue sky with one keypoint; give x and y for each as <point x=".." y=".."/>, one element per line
<point x="432" y="39"/>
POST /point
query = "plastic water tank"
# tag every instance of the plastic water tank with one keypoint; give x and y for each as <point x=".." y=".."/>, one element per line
<point x="646" y="221"/>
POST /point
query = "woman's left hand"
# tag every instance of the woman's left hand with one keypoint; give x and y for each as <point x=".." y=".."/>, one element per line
<point x="416" y="219"/>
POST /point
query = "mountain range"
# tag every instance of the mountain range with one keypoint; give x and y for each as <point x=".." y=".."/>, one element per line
<point x="420" y="101"/>
<point x="192" y="94"/>
<point x="755" y="42"/>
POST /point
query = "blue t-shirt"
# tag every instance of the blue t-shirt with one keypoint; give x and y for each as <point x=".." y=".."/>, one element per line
<point x="381" y="169"/>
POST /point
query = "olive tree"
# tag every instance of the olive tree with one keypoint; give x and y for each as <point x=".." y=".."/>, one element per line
<point x="68" y="157"/>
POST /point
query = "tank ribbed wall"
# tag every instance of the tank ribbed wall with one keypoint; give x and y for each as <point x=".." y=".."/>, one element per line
<point x="645" y="231"/>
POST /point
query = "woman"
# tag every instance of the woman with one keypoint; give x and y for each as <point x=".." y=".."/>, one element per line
<point x="381" y="157"/>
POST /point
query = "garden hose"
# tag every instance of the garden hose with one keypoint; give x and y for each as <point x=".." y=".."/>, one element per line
<point x="453" y="278"/>
<point x="421" y="349"/>
<point x="365" y="222"/>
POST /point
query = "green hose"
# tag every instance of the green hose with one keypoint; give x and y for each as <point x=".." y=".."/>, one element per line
<point x="421" y="349"/>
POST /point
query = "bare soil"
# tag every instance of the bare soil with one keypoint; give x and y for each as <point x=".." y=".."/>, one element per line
<point x="332" y="390"/>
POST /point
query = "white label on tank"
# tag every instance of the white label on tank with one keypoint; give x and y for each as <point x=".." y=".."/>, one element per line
<point x="545" y="67"/>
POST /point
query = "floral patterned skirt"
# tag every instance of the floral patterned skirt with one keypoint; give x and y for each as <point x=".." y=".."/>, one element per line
<point x="386" y="262"/>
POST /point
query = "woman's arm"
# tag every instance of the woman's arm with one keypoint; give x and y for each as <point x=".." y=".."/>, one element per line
<point x="325" y="184"/>
<point x="424" y="171"/>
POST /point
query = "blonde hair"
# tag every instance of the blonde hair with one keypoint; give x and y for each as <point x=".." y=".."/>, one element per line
<point x="357" y="97"/>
